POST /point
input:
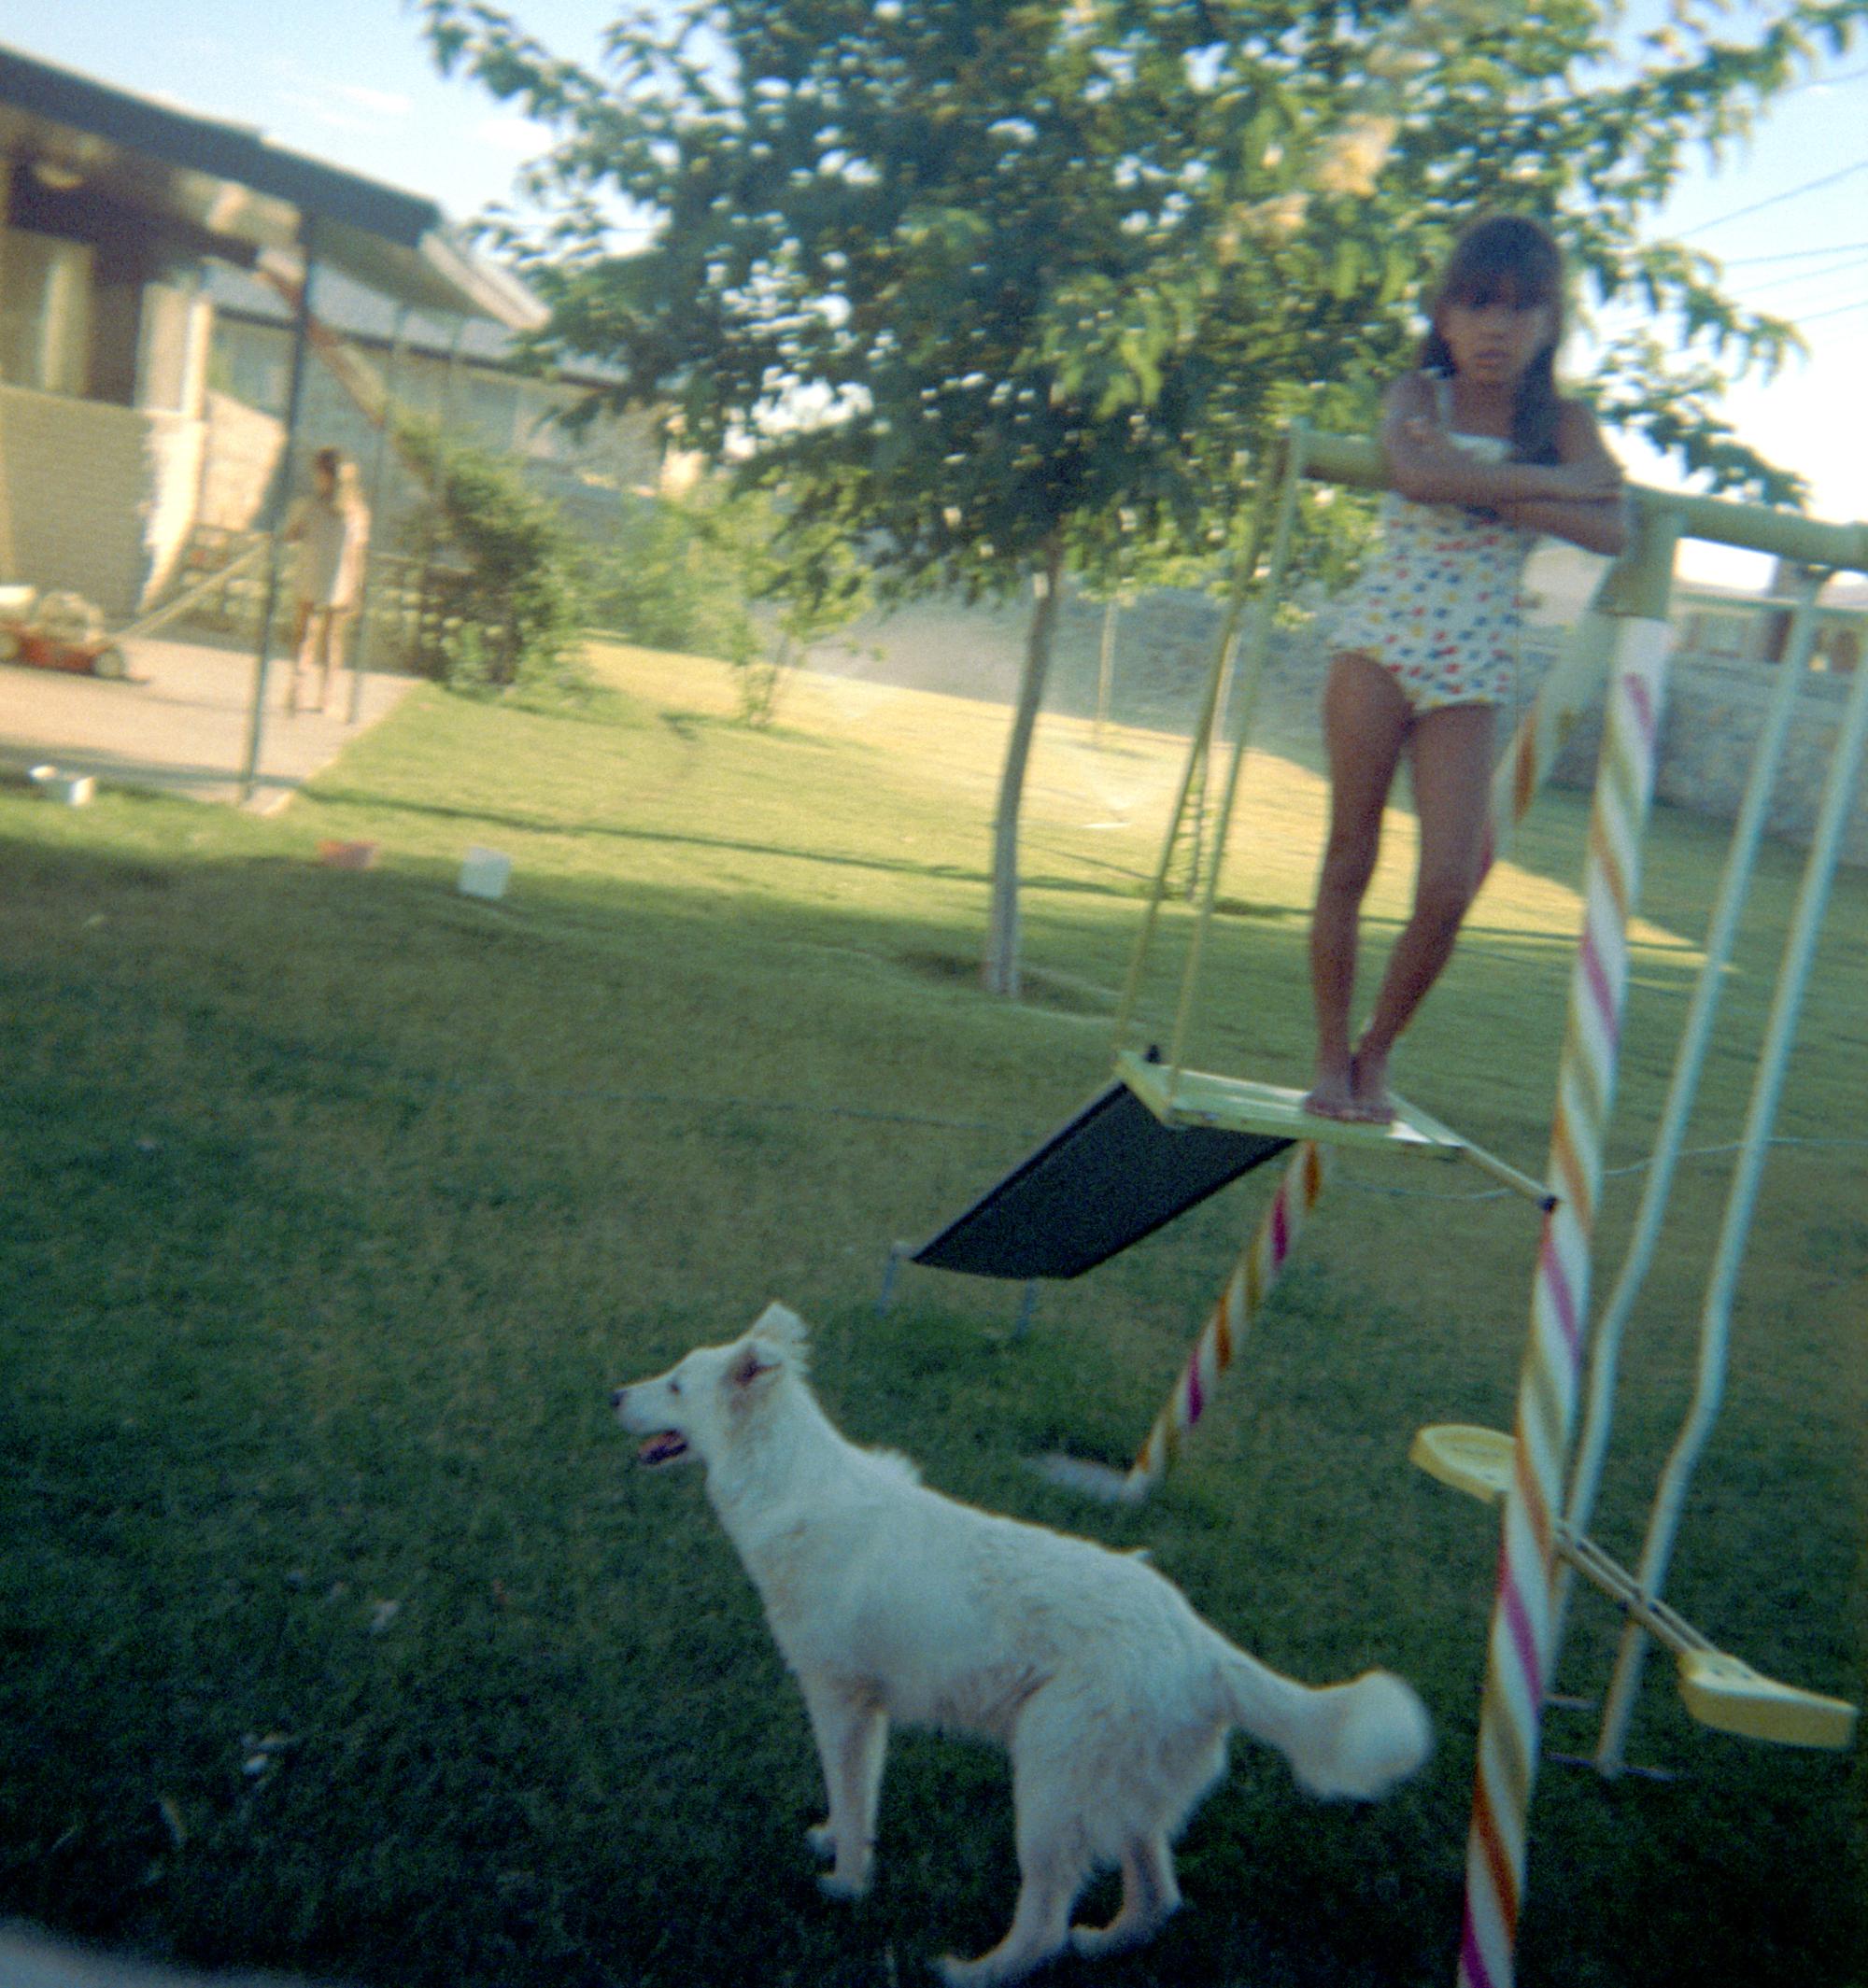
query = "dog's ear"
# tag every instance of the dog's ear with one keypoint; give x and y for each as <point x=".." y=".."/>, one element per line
<point x="777" y="1327"/>
<point x="775" y="1339"/>
<point x="751" y="1364"/>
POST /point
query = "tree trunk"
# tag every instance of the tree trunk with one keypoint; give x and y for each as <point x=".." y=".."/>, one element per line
<point x="1000" y="970"/>
<point x="1106" y="669"/>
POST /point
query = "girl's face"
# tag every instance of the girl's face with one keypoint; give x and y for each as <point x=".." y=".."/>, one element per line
<point x="1494" y="342"/>
<point x="324" y="480"/>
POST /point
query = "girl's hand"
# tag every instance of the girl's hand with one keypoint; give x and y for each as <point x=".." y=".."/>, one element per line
<point x="1594" y="479"/>
<point x="1421" y="433"/>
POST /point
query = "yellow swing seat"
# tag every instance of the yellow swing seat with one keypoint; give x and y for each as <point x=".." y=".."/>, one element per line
<point x="1719" y="1690"/>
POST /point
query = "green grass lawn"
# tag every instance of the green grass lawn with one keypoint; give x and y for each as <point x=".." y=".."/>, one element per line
<point x="340" y="1632"/>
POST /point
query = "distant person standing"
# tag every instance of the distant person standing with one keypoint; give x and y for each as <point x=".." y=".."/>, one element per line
<point x="331" y="530"/>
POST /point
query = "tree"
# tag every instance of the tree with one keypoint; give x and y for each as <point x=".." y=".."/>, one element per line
<point x="692" y="573"/>
<point x="993" y="288"/>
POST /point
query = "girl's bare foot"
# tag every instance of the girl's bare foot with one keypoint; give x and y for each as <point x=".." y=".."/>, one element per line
<point x="1370" y="1102"/>
<point x="1333" y="1094"/>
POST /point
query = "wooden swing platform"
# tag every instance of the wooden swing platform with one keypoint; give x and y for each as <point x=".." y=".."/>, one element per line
<point x="1231" y="1103"/>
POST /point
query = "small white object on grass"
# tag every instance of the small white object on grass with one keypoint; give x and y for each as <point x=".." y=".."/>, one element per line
<point x="484" y="872"/>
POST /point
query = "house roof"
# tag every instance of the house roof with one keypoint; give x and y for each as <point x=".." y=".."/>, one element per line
<point x="232" y="183"/>
<point x="362" y="315"/>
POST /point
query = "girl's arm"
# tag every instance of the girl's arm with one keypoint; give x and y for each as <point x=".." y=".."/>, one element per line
<point x="1598" y="524"/>
<point x="1427" y="469"/>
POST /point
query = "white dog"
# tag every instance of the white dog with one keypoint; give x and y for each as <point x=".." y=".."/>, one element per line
<point x="891" y="1602"/>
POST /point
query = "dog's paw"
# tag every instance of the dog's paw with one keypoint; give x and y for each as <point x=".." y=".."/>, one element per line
<point x="822" y="1838"/>
<point x="1120" y="1936"/>
<point x="847" y="1889"/>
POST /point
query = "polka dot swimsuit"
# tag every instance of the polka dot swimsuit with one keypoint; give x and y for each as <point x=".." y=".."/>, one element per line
<point x="1437" y="604"/>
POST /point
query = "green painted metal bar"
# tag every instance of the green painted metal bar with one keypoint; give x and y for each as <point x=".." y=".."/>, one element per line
<point x="280" y="509"/>
<point x="1357" y="461"/>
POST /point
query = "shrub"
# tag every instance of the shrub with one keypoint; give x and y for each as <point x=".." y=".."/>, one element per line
<point x="517" y="606"/>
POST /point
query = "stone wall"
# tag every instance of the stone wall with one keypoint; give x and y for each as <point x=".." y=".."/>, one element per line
<point x="1164" y="650"/>
<point x="1715" y="711"/>
<point x="243" y="448"/>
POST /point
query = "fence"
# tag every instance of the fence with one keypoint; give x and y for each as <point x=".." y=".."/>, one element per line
<point x="412" y="608"/>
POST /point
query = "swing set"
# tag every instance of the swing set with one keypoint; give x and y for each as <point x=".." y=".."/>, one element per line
<point x="1166" y="1135"/>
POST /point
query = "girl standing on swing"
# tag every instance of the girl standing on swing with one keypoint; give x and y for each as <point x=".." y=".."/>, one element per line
<point x="1483" y="454"/>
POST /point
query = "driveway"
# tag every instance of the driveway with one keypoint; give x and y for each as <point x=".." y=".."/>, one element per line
<point x="178" y="724"/>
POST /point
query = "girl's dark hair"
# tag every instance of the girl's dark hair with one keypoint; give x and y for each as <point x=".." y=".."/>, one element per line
<point x="1510" y="256"/>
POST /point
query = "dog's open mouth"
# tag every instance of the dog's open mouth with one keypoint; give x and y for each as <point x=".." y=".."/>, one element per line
<point x="663" y="1449"/>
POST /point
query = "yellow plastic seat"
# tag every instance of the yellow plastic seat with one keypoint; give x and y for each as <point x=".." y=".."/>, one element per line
<point x="1477" y="1461"/>
<point x="1721" y="1692"/>
<point x="1717" y="1690"/>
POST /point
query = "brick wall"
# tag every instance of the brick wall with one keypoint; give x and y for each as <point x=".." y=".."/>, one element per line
<point x="98" y="499"/>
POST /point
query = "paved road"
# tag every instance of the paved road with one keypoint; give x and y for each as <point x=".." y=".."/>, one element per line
<point x="178" y="725"/>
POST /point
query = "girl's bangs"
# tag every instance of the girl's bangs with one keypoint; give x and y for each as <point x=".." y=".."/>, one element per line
<point x="1504" y="260"/>
<point x="1515" y="286"/>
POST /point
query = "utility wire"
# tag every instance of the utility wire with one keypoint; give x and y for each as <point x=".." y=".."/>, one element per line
<point x="1793" y="255"/>
<point x="1817" y="316"/>
<point x="1806" y="276"/>
<point x="1776" y="200"/>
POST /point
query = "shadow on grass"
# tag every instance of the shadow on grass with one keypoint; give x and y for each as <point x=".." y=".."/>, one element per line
<point x="481" y="816"/>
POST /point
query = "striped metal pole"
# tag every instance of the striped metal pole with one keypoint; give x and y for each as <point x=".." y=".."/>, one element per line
<point x="1575" y="680"/>
<point x="1258" y="1269"/>
<point x="1683" y="1087"/>
<point x="1520" y="1645"/>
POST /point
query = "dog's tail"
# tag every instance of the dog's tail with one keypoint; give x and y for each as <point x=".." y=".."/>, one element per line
<point x="1353" y="1741"/>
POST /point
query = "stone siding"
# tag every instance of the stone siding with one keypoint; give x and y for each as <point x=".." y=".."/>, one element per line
<point x="243" y="448"/>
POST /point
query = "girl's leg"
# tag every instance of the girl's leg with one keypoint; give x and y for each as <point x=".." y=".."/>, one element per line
<point x="338" y="644"/>
<point x="1453" y="792"/>
<point x="300" y="626"/>
<point x="1365" y="720"/>
<point x="321" y="627"/>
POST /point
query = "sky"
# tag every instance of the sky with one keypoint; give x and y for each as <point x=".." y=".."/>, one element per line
<point x="351" y="81"/>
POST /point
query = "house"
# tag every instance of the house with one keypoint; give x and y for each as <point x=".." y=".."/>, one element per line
<point x="118" y="215"/>
<point x="461" y="370"/>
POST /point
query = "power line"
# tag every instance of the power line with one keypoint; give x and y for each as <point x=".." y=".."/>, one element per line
<point x="1792" y="255"/>
<point x="1776" y="200"/>
<point x="1826" y="82"/>
<point x="1806" y="276"/>
<point x="1836" y="311"/>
